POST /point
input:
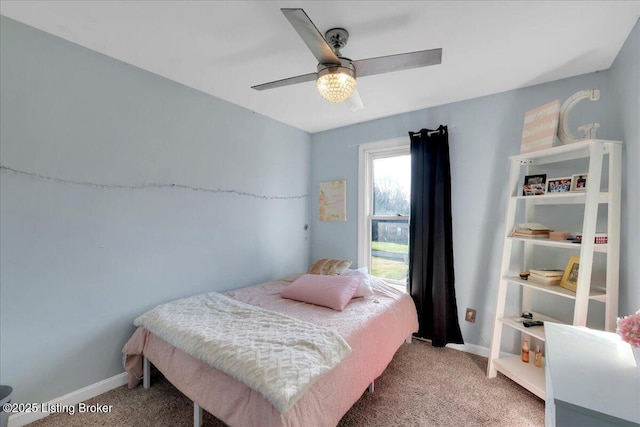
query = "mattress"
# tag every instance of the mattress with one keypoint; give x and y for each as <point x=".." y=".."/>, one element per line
<point x="374" y="326"/>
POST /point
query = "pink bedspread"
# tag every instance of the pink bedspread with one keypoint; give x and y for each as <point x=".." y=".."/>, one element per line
<point x="375" y="327"/>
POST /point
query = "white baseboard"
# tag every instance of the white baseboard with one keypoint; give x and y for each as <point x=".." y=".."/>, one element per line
<point x="471" y="348"/>
<point x="73" y="398"/>
<point x="477" y="350"/>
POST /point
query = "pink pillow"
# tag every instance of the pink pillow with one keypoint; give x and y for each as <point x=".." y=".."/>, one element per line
<point x="328" y="291"/>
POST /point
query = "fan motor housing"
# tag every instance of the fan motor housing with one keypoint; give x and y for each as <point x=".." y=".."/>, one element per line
<point x="345" y="67"/>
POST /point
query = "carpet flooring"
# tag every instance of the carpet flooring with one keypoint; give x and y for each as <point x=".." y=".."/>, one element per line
<point x="423" y="386"/>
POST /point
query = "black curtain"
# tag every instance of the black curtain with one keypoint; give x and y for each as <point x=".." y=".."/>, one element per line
<point x="431" y="277"/>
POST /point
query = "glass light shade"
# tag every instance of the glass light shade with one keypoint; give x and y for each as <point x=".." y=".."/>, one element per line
<point x="337" y="85"/>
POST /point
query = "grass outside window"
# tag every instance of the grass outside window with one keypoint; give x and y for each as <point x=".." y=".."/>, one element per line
<point x="389" y="268"/>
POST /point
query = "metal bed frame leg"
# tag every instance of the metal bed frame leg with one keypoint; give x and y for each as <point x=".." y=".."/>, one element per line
<point x="146" y="373"/>
<point x="197" y="415"/>
<point x="198" y="419"/>
<point x="370" y="388"/>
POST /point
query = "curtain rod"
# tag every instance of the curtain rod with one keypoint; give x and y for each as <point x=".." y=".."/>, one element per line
<point x="441" y="129"/>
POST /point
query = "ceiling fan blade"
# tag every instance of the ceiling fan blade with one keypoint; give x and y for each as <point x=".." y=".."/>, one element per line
<point x="311" y="36"/>
<point x="286" y="82"/>
<point x="402" y="61"/>
<point x="354" y="102"/>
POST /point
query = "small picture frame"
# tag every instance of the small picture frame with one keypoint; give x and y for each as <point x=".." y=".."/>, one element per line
<point x="559" y="185"/>
<point x="579" y="182"/>
<point x="534" y="185"/>
<point x="570" y="277"/>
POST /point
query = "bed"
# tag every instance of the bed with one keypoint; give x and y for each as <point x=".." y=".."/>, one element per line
<point x="374" y="327"/>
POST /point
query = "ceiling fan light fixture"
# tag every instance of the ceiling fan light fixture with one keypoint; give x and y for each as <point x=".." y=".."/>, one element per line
<point x="336" y="83"/>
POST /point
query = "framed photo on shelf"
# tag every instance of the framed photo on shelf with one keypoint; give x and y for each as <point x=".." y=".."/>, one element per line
<point x="534" y="185"/>
<point x="559" y="185"/>
<point x="579" y="182"/>
<point x="570" y="277"/>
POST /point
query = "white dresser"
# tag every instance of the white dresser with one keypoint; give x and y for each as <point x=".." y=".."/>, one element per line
<point x="591" y="378"/>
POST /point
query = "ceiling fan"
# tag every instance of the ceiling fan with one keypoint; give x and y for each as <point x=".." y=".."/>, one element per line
<point x="336" y="75"/>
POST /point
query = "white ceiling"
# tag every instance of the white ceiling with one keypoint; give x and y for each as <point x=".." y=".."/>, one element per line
<point x="224" y="47"/>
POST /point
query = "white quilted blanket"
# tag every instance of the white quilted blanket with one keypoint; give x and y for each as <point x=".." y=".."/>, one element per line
<point x="274" y="354"/>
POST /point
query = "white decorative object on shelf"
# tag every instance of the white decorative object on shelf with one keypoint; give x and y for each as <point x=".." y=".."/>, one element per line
<point x="590" y="130"/>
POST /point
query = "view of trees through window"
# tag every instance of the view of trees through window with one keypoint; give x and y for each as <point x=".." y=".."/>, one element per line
<point x="390" y="197"/>
<point x="390" y="221"/>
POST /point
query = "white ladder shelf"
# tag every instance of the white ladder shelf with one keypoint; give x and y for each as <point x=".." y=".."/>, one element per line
<point x="596" y="151"/>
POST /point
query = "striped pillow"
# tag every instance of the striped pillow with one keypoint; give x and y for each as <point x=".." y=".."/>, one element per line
<point x="329" y="267"/>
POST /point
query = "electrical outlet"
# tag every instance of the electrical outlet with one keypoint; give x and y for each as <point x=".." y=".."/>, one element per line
<point x="471" y="315"/>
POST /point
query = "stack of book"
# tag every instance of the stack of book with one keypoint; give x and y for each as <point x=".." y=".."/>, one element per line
<point x="559" y="235"/>
<point x="545" y="277"/>
<point x="532" y="230"/>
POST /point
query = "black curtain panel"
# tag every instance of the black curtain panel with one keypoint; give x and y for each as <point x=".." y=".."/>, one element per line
<point x="431" y="276"/>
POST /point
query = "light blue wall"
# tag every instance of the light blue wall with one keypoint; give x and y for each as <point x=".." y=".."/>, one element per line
<point x="80" y="261"/>
<point x="484" y="132"/>
<point x="625" y="88"/>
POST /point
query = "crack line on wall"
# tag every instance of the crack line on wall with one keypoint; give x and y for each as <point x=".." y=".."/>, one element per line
<point x="145" y="186"/>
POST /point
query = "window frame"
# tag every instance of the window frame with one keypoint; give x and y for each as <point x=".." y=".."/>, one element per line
<point x="367" y="153"/>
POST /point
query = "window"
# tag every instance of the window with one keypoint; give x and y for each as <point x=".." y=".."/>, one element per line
<point x="384" y="196"/>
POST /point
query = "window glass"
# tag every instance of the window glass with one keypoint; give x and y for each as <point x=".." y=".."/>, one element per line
<point x="384" y="196"/>
<point x="389" y="220"/>
<point x="391" y="185"/>
<point x="390" y="249"/>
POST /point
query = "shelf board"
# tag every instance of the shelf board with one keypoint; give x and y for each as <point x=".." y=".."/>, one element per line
<point x="526" y="374"/>
<point x="568" y="198"/>
<point x="599" y="247"/>
<point x="597" y="294"/>
<point x="534" y="331"/>
<point x="576" y="150"/>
